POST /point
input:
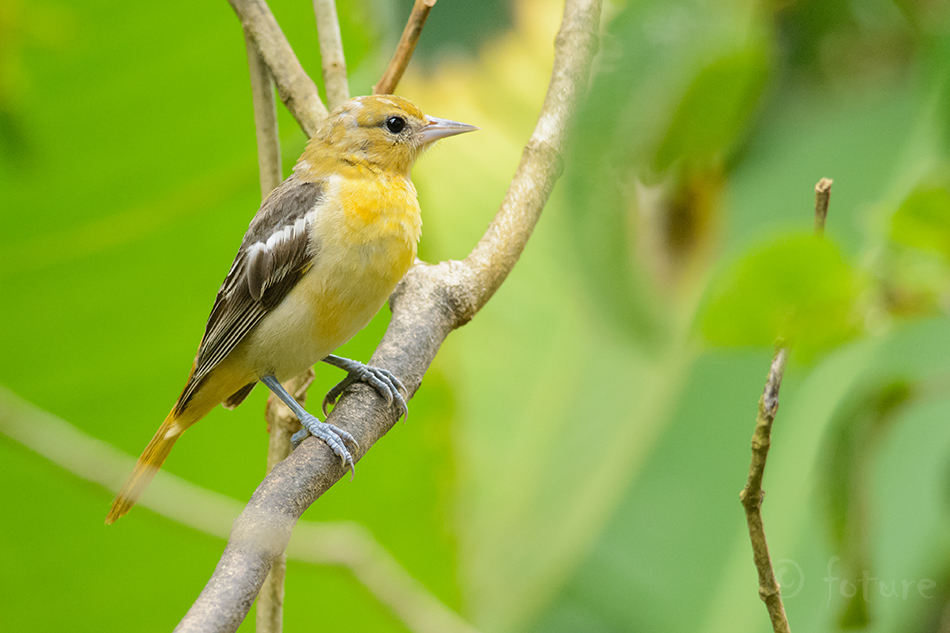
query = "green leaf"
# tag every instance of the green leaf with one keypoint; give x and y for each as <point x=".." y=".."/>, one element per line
<point x="715" y="108"/>
<point x="797" y="288"/>
<point x="923" y="221"/>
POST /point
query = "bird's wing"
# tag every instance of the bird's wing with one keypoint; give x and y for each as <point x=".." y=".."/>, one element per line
<point x="275" y="253"/>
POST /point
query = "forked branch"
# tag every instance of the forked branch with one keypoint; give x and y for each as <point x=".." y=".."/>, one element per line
<point x="429" y="303"/>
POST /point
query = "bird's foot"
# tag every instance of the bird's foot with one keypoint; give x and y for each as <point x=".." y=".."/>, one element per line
<point x="382" y="380"/>
<point x="335" y="437"/>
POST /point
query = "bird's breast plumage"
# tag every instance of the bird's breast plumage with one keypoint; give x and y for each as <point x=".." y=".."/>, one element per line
<point x="364" y="233"/>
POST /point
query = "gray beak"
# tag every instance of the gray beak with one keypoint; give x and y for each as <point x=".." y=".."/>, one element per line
<point x="441" y="128"/>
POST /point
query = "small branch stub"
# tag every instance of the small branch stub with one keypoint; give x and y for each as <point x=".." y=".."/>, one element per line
<point x="822" y="198"/>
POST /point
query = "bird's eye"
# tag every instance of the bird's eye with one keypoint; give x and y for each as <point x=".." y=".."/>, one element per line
<point x="395" y="124"/>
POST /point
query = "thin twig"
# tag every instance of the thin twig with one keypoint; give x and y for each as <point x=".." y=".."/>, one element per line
<point x="296" y="89"/>
<point x="331" y="52"/>
<point x="428" y="304"/>
<point x="822" y="198"/>
<point x="407" y="44"/>
<point x="752" y="495"/>
<point x="342" y="544"/>
<point x="281" y="425"/>
<point x="270" y="601"/>
<point x="265" y="119"/>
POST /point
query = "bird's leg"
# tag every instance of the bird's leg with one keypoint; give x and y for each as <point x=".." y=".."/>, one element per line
<point x="335" y="437"/>
<point x="382" y="380"/>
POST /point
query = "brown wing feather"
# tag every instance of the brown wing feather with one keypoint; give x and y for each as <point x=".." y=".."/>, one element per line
<point x="275" y="253"/>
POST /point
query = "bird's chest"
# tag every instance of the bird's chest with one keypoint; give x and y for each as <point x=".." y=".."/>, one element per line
<point x="365" y="241"/>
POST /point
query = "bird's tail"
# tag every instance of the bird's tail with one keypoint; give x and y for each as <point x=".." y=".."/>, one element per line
<point x="148" y="464"/>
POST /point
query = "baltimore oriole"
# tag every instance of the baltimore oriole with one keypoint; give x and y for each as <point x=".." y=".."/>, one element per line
<point x="319" y="259"/>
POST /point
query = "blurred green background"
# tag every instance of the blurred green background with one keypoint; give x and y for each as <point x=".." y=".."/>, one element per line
<point x="574" y="456"/>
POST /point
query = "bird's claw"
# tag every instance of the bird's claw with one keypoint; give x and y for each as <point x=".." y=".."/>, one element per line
<point x="334" y="437"/>
<point x="386" y="383"/>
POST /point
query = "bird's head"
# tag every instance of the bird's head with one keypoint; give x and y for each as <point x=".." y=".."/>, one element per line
<point x="378" y="131"/>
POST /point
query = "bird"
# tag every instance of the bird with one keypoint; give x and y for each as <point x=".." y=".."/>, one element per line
<point x="319" y="259"/>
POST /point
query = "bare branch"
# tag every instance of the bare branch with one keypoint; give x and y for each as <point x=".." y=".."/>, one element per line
<point x="752" y="495"/>
<point x="270" y="602"/>
<point x="265" y="119"/>
<point x="296" y="89"/>
<point x="407" y="44"/>
<point x="281" y="425"/>
<point x="428" y="304"/>
<point x="822" y="198"/>
<point x="541" y="162"/>
<point x="331" y="52"/>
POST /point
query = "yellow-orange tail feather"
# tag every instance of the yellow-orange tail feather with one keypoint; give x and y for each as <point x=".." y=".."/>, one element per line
<point x="228" y="381"/>
<point x="147" y="465"/>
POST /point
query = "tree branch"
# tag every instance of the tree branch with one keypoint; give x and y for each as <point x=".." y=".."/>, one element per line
<point x="270" y="602"/>
<point x="542" y="161"/>
<point x="428" y="304"/>
<point x="296" y="89"/>
<point x="752" y="495"/>
<point x="281" y="425"/>
<point x="265" y="119"/>
<point x="407" y="44"/>
<point x="331" y="52"/>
